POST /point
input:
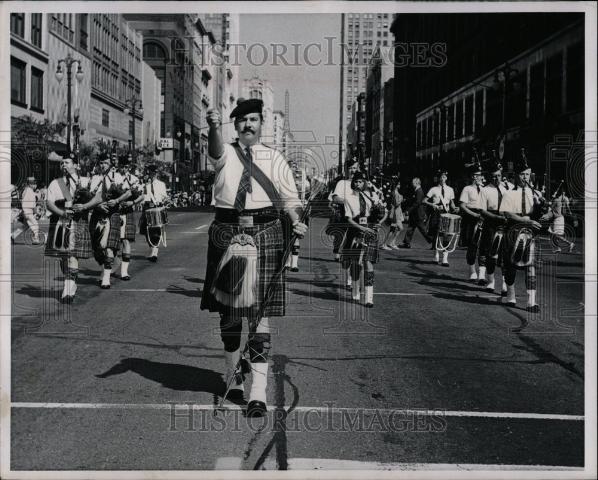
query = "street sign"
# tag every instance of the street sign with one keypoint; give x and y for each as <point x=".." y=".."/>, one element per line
<point x="165" y="144"/>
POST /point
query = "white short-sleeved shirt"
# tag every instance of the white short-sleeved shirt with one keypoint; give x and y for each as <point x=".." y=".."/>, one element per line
<point x="489" y="197"/>
<point x="352" y="207"/>
<point x="511" y="202"/>
<point x="435" y="195"/>
<point x="229" y="170"/>
<point x="129" y="181"/>
<point x="155" y="191"/>
<point x="55" y="192"/>
<point x="471" y="197"/>
<point x="342" y="189"/>
<point x="97" y="181"/>
<point x="29" y="199"/>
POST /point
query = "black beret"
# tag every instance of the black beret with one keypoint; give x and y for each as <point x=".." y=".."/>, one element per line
<point x="441" y="172"/>
<point x="474" y="168"/>
<point x="244" y="107"/>
<point x="494" y="166"/>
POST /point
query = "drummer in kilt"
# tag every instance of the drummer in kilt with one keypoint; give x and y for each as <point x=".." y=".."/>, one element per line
<point x="365" y="213"/>
<point x="128" y="228"/>
<point x="338" y="227"/>
<point x="69" y="201"/>
<point x="516" y="206"/>
<point x="441" y="198"/>
<point x="105" y="222"/>
<point x="155" y="196"/>
<point x="491" y="199"/>
<point x="246" y="249"/>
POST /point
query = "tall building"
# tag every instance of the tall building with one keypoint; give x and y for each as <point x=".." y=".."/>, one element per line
<point x="257" y="88"/>
<point x="380" y="70"/>
<point x="115" y="78"/>
<point x="151" y="94"/>
<point x="362" y="33"/>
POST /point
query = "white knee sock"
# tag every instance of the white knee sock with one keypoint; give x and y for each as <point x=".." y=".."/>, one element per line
<point x="482" y="273"/>
<point x="295" y="261"/>
<point x="369" y="294"/>
<point x="106" y="276"/>
<point x="124" y="269"/>
<point x="511" y="294"/>
<point x="490" y="285"/>
<point x="259" y="381"/>
<point x="356" y="291"/>
<point x="531" y="298"/>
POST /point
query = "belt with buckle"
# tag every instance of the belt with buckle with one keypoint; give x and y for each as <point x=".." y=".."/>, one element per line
<point x="247" y="217"/>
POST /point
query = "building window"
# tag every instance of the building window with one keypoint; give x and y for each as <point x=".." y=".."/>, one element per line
<point x="459" y="107"/>
<point x="451" y="122"/>
<point x="468" y="115"/>
<point x="536" y="91"/>
<point x="17" y="24"/>
<point x="37" y="89"/>
<point x="17" y="81"/>
<point x="36" y="29"/>
<point x="554" y="79"/>
<point x="105" y="118"/>
<point x="83" y="33"/>
<point x="479" y="110"/>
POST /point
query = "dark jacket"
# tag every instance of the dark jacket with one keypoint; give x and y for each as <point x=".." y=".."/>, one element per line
<point x="417" y="210"/>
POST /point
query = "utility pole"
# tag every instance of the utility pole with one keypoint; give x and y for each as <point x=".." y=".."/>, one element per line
<point x="341" y="106"/>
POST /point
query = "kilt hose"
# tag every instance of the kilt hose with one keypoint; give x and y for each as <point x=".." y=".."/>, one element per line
<point x="80" y="237"/>
<point x="359" y="247"/>
<point x="97" y="231"/>
<point x="129" y="229"/>
<point x="270" y="249"/>
<point x="152" y="234"/>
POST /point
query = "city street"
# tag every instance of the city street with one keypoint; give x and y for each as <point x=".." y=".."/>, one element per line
<point x="438" y="375"/>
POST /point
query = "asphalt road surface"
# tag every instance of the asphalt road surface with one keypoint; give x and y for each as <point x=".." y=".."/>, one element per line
<point x="438" y="375"/>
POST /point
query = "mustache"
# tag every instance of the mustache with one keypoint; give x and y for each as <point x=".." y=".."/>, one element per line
<point x="248" y="129"/>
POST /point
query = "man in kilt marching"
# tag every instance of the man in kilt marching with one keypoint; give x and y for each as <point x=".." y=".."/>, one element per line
<point x="252" y="183"/>
<point x="491" y="199"/>
<point x="128" y="228"/>
<point x="69" y="201"/>
<point x="105" y="222"/>
<point x="518" y="243"/>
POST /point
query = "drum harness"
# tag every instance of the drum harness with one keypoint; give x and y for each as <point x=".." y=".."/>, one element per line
<point x="162" y="229"/>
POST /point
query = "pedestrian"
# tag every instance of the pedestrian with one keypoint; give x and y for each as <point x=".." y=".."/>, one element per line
<point x="127" y="213"/>
<point x="441" y="198"/>
<point x="105" y="219"/>
<point x="396" y="217"/>
<point x="29" y="201"/>
<point x="155" y="199"/>
<point x="559" y="207"/>
<point x="417" y="215"/>
<point x="470" y="206"/>
<point x="337" y="227"/>
<point x="491" y="198"/>
<point x="69" y="201"/>
<point x="360" y="250"/>
<point x="519" y="243"/>
<point x="245" y="247"/>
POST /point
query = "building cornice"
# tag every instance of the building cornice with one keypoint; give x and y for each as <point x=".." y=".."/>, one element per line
<point x="28" y="48"/>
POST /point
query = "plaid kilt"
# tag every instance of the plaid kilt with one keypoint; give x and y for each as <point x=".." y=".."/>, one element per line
<point x="270" y="248"/>
<point x="113" y="234"/>
<point x="359" y="247"/>
<point x="82" y="239"/>
<point x="130" y="228"/>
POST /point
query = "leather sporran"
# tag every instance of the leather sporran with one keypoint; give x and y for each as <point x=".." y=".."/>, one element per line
<point x="524" y="248"/>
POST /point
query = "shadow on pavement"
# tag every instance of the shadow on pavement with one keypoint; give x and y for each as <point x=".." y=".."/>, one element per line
<point x="171" y="375"/>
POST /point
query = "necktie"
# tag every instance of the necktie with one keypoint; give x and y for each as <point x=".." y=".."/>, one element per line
<point x="499" y="196"/>
<point x="244" y="184"/>
<point x="523" y="209"/>
<point x="442" y="192"/>
<point x="362" y="205"/>
<point x="478" y="187"/>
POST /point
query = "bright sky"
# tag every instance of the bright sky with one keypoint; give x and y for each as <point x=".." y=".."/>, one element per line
<point x="314" y="90"/>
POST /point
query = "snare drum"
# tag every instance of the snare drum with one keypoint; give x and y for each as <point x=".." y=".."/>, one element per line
<point x="450" y="224"/>
<point x="156" y="217"/>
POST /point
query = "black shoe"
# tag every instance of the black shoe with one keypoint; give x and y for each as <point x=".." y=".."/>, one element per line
<point x="68" y="299"/>
<point x="369" y="305"/>
<point x="294" y="269"/>
<point x="405" y="245"/>
<point x="235" y="395"/>
<point x="503" y="293"/>
<point x="105" y="287"/>
<point x="255" y="408"/>
<point x="126" y="278"/>
<point x="444" y="264"/>
<point x="533" y="309"/>
<point x="482" y="282"/>
<point x="153" y="259"/>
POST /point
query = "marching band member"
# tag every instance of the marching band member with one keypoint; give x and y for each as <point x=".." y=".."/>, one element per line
<point x="417" y="215"/>
<point x="559" y="207"/>
<point x="69" y="201"/>
<point x="516" y="206"/>
<point x="105" y="222"/>
<point x="338" y="224"/>
<point x="441" y="199"/>
<point x="155" y="196"/>
<point x="397" y="217"/>
<point x="361" y="246"/>
<point x="491" y="199"/>
<point x="128" y="228"/>
<point x="470" y="206"/>
<point x="246" y="241"/>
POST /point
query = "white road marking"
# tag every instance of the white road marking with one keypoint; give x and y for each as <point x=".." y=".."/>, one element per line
<point x="200" y="227"/>
<point x="142" y="290"/>
<point x="338" y="464"/>
<point x="387" y="411"/>
<point x="195" y="231"/>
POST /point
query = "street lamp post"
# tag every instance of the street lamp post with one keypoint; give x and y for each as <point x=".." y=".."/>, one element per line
<point x="181" y="138"/>
<point x="68" y="63"/>
<point x="133" y="106"/>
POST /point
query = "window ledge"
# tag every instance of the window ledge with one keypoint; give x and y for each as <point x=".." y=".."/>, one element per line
<point x="18" y="103"/>
<point x="37" y="110"/>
